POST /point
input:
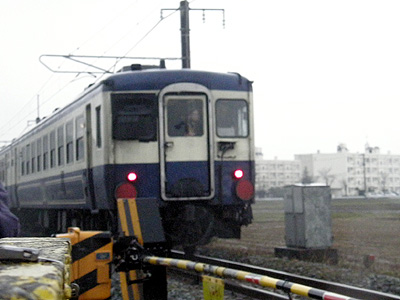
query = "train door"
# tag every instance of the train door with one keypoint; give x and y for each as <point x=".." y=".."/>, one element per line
<point x="186" y="146"/>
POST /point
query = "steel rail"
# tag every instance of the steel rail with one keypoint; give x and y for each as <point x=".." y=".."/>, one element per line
<point x="257" y="279"/>
<point x="333" y="287"/>
<point x="230" y="285"/>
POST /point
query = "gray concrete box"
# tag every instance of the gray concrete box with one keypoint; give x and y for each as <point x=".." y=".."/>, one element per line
<point x="308" y="216"/>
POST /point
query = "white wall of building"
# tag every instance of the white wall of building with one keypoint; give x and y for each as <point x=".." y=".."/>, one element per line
<point x="346" y="173"/>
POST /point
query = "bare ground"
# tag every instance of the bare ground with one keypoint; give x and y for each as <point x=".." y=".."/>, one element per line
<point x="360" y="227"/>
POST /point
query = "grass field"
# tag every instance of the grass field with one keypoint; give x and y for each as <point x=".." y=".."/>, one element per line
<point x="360" y="227"/>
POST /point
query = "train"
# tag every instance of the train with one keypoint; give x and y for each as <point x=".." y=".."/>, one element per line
<point x="183" y="137"/>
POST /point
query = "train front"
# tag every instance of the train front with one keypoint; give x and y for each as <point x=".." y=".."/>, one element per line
<point x="199" y="159"/>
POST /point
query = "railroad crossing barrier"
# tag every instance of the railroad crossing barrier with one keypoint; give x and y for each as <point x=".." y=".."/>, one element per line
<point x="91" y="257"/>
<point x="264" y="281"/>
<point x="140" y="221"/>
<point x="142" y="273"/>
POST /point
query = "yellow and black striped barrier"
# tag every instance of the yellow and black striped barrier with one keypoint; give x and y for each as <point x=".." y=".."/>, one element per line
<point x="93" y="252"/>
<point x="130" y="225"/>
<point x="264" y="281"/>
<point x="91" y="257"/>
<point x="140" y="218"/>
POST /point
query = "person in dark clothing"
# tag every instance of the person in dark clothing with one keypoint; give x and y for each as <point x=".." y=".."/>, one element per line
<point x="9" y="223"/>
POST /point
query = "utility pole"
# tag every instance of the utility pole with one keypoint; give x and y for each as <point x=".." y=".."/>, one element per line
<point x="185" y="34"/>
<point x="185" y="29"/>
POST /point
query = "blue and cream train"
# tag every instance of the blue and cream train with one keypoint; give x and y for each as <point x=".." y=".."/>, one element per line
<point x="182" y="137"/>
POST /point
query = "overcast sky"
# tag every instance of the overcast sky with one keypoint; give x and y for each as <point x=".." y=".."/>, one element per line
<point x="324" y="72"/>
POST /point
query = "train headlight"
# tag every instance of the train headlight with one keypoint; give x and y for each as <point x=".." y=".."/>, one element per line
<point x="238" y="174"/>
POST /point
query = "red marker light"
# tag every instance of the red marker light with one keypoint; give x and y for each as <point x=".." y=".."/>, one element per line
<point x="238" y="174"/>
<point x="131" y="176"/>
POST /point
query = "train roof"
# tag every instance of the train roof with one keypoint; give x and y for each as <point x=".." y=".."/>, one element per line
<point x="153" y="79"/>
<point x="158" y="79"/>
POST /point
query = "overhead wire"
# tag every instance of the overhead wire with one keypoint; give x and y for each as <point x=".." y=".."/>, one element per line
<point x="138" y="42"/>
<point x="6" y="129"/>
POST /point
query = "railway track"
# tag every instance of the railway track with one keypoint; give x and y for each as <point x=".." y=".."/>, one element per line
<point x="258" y="293"/>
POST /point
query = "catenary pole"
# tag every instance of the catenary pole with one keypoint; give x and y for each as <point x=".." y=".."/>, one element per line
<point x="185" y="34"/>
<point x="185" y="29"/>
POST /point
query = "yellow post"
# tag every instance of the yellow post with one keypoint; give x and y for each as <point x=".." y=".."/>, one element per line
<point x="130" y="225"/>
<point x="213" y="288"/>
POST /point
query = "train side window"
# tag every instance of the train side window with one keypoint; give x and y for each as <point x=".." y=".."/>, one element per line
<point x="134" y="117"/>
<point x="28" y="159"/>
<point x="232" y="118"/>
<point x="98" y="127"/>
<point x="39" y="155"/>
<point x="80" y="130"/>
<point x="69" y="137"/>
<point x="60" y="145"/>
<point x="52" y="149"/>
<point x="45" y="152"/>
<point x="33" y="156"/>
<point x="22" y="155"/>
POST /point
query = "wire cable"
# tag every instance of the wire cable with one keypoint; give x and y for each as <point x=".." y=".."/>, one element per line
<point x="138" y="42"/>
<point x="4" y="129"/>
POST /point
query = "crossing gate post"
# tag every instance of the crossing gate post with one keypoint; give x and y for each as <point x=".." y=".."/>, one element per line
<point x="91" y="258"/>
<point x="140" y="219"/>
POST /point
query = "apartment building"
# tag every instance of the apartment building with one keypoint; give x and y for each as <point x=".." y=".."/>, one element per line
<point x="275" y="173"/>
<point x="354" y="173"/>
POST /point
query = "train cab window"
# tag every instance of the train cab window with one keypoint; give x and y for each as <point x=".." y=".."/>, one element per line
<point x="52" y="149"/>
<point x="185" y="117"/>
<point x="80" y="130"/>
<point x="232" y="118"/>
<point x="60" y="145"/>
<point x="69" y="137"/>
<point x="134" y="117"/>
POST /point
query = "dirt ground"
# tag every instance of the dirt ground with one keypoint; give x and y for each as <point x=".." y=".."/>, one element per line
<point x="360" y="227"/>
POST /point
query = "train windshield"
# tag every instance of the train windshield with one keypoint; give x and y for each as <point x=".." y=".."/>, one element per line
<point x="232" y="118"/>
<point x="185" y="117"/>
<point x="134" y="117"/>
